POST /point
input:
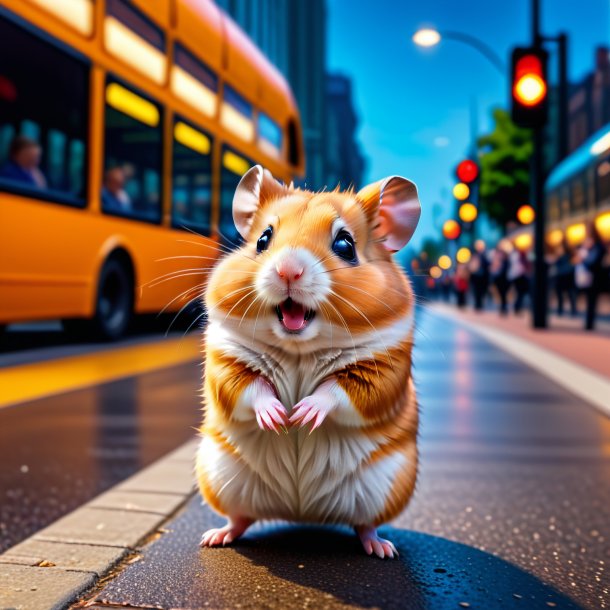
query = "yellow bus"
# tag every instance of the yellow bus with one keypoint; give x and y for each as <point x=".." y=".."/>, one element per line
<point x="125" y="126"/>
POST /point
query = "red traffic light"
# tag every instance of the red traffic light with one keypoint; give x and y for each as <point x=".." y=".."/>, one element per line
<point x="529" y="85"/>
<point x="467" y="171"/>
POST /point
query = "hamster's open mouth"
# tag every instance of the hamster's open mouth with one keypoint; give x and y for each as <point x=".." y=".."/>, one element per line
<point x="293" y="316"/>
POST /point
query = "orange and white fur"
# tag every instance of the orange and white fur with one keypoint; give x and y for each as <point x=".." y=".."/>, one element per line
<point x="310" y="408"/>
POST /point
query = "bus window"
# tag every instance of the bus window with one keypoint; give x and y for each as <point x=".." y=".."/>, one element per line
<point x="565" y="201"/>
<point x="134" y="39"/>
<point x="269" y="136"/>
<point x="603" y="182"/>
<point x="554" y="210"/>
<point x="132" y="155"/>
<point x="43" y="113"/>
<point x="591" y="188"/>
<point x="578" y="193"/>
<point x="234" y="166"/>
<point x="192" y="178"/>
<point x="194" y="82"/>
<point x="293" y="144"/>
<point x="237" y="115"/>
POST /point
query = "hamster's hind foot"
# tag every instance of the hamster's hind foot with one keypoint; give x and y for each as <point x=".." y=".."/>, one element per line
<point x="372" y="543"/>
<point x="225" y="535"/>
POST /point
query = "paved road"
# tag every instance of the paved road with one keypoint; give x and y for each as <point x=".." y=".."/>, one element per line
<point x="512" y="510"/>
<point x="60" y="451"/>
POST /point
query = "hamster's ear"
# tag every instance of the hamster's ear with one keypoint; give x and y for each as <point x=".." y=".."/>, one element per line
<point x="256" y="186"/>
<point x="392" y="207"/>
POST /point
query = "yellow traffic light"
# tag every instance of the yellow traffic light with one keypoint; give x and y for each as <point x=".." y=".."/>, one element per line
<point x="468" y="212"/>
<point x="461" y="191"/>
<point x="444" y="262"/>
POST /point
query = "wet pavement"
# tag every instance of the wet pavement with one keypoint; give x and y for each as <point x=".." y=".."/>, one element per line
<point x="58" y="452"/>
<point x="512" y="510"/>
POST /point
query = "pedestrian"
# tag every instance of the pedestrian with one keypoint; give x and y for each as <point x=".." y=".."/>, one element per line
<point x="591" y="272"/>
<point x="461" y="284"/>
<point x="564" y="278"/>
<point x="479" y="274"/>
<point x="519" y="276"/>
<point x="499" y="275"/>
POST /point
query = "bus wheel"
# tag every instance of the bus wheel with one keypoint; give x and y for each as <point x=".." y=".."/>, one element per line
<point x="113" y="306"/>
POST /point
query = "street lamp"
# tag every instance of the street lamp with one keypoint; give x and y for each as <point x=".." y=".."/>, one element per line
<point x="429" y="37"/>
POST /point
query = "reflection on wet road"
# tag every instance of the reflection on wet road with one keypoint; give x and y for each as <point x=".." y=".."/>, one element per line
<point x="510" y="511"/>
<point x="60" y="451"/>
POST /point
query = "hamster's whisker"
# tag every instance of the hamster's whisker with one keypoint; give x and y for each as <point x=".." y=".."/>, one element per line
<point x="178" y="315"/>
<point x="170" y="276"/>
<point x="368" y="321"/>
<point x="331" y="325"/>
<point x="199" y="317"/>
<point x="230" y="294"/>
<point x="238" y="302"/>
<point x="171" y="258"/>
<point x="368" y="294"/>
<point x="349" y="332"/>
<point x="323" y="260"/>
<point x="247" y="310"/>
<point x="182" y="294"/>
<point x="227" y="238"/>
<point x="262" y="304"/>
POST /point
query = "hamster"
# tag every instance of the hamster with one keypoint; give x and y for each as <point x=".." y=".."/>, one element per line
<point x="310" y="412"/>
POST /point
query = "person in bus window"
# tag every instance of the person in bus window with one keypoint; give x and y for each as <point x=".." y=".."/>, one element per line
<point x="114" y="196"/>
<point x="23" y="163"/>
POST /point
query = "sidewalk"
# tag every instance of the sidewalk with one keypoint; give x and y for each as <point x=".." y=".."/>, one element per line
<point x="565" y="335"/>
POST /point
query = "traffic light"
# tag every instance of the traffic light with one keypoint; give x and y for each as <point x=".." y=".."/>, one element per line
<point x="529" y="87"/>
<point x="467" y="171"/>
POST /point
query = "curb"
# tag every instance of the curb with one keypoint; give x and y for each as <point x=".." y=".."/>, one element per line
<point x="61" y="562"/>
<point x="582" y="382"/>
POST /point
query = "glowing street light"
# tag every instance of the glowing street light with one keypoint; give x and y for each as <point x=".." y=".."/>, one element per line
<point x="451" y="229"/>
<point x="463" y="255"/>
<point x="526" y="214"/>
<point x="435" y="272"/>
<point x="426" y="37"/>
<point x="444" y="262"/>
<point x="468" y="212"/>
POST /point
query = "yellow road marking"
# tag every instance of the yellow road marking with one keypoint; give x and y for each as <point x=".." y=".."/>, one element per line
<point x="36" y="380"/>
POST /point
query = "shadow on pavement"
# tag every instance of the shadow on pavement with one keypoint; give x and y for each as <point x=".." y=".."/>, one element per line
<point x="295" y="567"/>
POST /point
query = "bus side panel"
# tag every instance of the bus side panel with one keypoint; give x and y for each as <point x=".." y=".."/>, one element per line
<point x="46" y="261"/>
<point x="51" y="255"/>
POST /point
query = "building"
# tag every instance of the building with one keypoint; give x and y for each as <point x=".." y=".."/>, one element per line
<point x="292" y="33"/>
<point x="344" y="162"/>
<point x="265" y="22"/>
<point x="589" y="103"/>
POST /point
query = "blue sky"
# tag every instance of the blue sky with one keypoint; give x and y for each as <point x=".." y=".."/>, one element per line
<point x="413" y="103"/>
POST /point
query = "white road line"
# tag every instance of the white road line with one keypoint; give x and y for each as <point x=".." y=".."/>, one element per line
<point x="577" y="379"/>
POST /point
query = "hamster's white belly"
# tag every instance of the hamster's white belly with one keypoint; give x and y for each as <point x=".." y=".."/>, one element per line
<point x="324" y="477"/>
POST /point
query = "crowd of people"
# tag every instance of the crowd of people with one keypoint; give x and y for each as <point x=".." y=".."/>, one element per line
<point x="502" y="277"/>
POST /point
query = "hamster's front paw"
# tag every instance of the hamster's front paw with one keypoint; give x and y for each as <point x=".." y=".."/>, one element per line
<point x="270" y="414"/>
<point x="312" y="408"/>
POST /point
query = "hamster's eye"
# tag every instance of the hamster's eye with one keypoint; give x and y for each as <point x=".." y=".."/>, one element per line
<point x="264" y="240"/>
<point x="344" y="246"/>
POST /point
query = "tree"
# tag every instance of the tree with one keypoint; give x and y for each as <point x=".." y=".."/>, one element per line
<point x="504" y="156"/>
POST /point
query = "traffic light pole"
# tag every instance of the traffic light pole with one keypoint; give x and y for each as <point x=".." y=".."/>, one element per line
<point x="540" y="295"/>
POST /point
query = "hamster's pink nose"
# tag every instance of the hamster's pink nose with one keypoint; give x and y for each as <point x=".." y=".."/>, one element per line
<point x="289" y="270"/>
